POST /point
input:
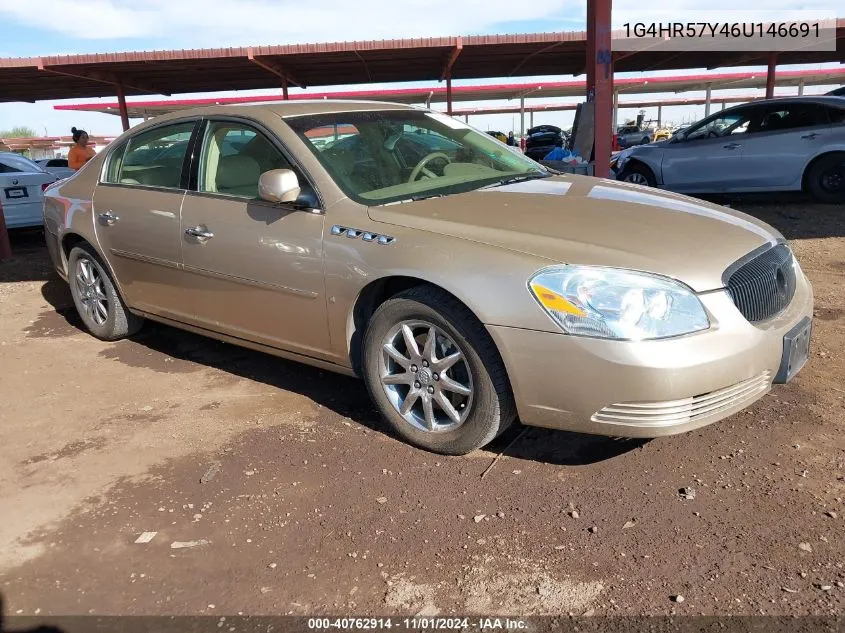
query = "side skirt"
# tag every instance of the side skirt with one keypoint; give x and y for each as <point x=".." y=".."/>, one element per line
<point x="299" y="358"/>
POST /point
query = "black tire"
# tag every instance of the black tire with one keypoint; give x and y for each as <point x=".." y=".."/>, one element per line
<point x="826" y="178"/>
<point x="492" y="408"/>
<point x="640" y="170"/>
<point x="119" y="321"/>
<point x="645" y="141"/>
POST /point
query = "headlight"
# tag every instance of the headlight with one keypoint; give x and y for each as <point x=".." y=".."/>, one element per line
<point x="623" y="156"/>
<point x="617" y="304"/>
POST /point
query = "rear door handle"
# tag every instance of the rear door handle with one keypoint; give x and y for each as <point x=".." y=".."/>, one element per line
<point x="732" y="145"/>
<point x="199" y="232"/>
<point x="108" y="218"/>
<point x="810" y="137"/>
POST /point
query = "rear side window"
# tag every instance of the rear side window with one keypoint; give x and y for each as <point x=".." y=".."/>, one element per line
<point x="153" y="158"/>
<point x="791" y="116"/>
<point x="115" y="162"/>
<point x="835" y="115"/>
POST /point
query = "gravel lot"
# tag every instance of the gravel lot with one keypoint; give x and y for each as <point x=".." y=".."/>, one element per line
<point x="273" y="488"/>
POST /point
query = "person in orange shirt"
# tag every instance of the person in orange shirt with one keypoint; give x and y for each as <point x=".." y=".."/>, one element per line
<point x="79" y="153"/>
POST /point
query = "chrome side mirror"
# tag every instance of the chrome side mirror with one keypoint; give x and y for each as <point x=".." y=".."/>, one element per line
<point x="278" y="185"/>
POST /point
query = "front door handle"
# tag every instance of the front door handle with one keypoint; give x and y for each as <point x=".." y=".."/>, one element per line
<point x="108" y="218"/>
<point x="732" y="145"/>
<point x="200" y="232"/>
<point x="810" y="137"/>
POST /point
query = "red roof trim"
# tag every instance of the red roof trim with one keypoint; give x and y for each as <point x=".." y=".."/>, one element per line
<point x="423" y="92"/>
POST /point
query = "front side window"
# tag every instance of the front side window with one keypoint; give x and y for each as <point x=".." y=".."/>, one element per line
<point x="153" y="158"/>
<point x="378" y="157"/>
<point x="728" y="124"/>
<point x="233" y="157"/>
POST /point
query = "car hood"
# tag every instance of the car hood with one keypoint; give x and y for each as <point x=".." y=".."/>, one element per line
<point x="581" y="220"/>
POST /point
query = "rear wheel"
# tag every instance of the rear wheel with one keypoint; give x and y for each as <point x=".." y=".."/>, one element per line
<point x="826" y="178"/>
<point x="96" y="299"/>
<point x="638" y="174"/>
<point x="435" y="374"/>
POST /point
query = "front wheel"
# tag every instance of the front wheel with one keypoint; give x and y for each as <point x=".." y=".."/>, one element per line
<point x="435" y="373"/>
<point x="826" y="178"/>
<point x="96" y="299"/>
<point x="638" y="175"/>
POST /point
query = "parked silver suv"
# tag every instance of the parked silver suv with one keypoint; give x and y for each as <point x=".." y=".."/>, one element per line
<point x="785" y="144"/>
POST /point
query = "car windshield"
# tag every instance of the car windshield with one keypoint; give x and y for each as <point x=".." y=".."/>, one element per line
<point x="379" y="157"/>
<point x="20" y="163"/>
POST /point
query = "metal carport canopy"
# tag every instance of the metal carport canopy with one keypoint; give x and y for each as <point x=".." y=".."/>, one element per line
<point x="627" y="85"/>
<point x="346" y="63"/>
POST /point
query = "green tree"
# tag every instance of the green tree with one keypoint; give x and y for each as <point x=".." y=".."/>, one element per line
<point x="19" y="131"/>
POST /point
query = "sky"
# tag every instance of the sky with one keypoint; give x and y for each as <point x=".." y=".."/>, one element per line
<point x="56" y="27"/>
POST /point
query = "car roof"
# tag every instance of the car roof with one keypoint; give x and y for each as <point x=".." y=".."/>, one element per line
<point x="820" y="99"/>
<point x="284" y="108"/>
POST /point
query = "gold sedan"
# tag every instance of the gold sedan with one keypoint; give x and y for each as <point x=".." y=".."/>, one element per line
<point x="466" y="284"/>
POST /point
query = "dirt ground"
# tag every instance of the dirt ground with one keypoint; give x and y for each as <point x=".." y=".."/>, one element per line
<point x="273" y="488"/>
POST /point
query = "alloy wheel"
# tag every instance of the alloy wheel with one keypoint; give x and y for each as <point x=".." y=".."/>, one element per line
<point x="89" y="285"/>
<point x="636" y="178"/>
<point x="426" y="376"/>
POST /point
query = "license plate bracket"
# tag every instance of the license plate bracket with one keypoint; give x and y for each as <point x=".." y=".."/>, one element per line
<point x="796" y="350"/>
<point x="13" y="193"/>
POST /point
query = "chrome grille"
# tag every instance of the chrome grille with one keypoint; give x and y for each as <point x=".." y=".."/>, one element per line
<point x="670" y="412"/>
<point x="762" y="284"/>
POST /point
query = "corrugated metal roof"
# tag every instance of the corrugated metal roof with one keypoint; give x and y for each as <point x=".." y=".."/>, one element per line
<point x="344" y="63"/>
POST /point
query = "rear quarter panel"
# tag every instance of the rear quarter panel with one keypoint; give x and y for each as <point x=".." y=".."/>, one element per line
<point x="68" y="209"/>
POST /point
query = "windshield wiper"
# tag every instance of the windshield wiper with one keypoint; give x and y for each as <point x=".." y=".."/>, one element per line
<point x="515" y="179"/>
<point x="415" y="198"/>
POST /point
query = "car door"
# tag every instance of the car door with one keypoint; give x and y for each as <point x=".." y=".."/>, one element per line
<point x="137" y="206"/>
<point x="254" y="268"/>
<point x="708" y="156"/>
<point x="789" y="134"/>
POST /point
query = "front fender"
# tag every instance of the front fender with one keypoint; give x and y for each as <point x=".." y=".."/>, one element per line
<point x="491" y="281"/>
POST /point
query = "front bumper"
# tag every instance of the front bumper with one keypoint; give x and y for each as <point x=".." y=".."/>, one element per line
<point x="648" y="388"/>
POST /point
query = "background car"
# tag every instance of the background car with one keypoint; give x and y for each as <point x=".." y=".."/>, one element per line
<point x="661" y="134"/>
<point x="21" y="185"/>
<point x="630" y="135"/>
<point x="542" y="139"/>
<point x="838" y="92"/>
<point x="784" y="144"/>
<point x="499" y="136"/>
<point x="56" y="166"/>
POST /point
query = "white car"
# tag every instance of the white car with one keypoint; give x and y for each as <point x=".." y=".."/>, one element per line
<point x="56" y="166"/>
<point x="22" y="183"/>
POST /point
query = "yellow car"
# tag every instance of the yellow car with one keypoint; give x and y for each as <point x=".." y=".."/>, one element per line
<point x="499" y="136"/>
<point x="662" y="134"/>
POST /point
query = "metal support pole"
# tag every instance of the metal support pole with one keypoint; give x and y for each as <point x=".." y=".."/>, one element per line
<point x="5" y="247"/>
<point x="723" y="105"/>
<point x="531" y="119"/>
<point x="449" y="94"/>
<point x="600" y="82"/>
<point x="466" y="118"/>
<point x="615" y="111"/>
<point x="800" y="87"/>
<point x="660" y="116"/>
<point x="770" y="75"/>
<point x="284" y="89"/>
<point x="707" y="100"/>
<point x="124" y="112"/>
<point x="522" y="116"/>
